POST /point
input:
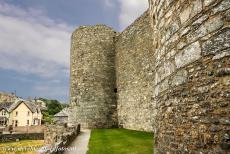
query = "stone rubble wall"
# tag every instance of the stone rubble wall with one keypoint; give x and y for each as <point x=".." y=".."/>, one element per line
<point x="28" y="129"/>
<point x="22" y="136"/>
<point x="192" y="49"/>
<point x="57" y="138"/>
<point x="93" y="77"/>
<point x="134" y="75"/>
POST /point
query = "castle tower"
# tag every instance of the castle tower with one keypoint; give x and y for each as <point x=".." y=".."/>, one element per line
<point x="93" y="83"/>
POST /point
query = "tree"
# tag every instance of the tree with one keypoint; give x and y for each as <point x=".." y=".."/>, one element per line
<point x="53" y="107"/>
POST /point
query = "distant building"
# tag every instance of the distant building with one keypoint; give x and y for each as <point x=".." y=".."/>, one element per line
<point x="62" y="116"/>
<point x="4" y="113"/>
<point x="20" y="113"/>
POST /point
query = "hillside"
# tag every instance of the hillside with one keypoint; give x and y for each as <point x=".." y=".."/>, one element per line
<point x="7" y="97"/>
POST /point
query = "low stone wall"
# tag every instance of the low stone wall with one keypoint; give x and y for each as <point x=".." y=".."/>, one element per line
<point x="57" y="138"/>
<point x="29" y="129"/>
<point x="14" y="137"/>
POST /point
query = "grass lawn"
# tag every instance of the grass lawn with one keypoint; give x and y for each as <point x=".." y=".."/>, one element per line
<point x="120" y="141"/>
<point x="21" y="147"/>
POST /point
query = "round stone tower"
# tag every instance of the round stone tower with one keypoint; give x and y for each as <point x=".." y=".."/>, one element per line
<point x="93" y="83"/>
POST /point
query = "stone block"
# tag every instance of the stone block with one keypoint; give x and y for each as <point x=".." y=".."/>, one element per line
<point x="221" y="55"/>
<point x="185" y="14"/>
<point x="179" y="78"/>
<point x="166" y="69"/>
<point x="196" y="7"/>
<point x="224" y="5"/>
<point x="217" y="43"/>
<point x="206" y="28"/>
<point x="214" y="24"/>
<point x="164" y="85"/>
<point x="156" y="90"/>
<point x="208" y="2"/>
<point x="188" y="55"/>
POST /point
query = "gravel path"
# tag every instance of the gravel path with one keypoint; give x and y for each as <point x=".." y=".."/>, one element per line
<point x="80" y="144"/>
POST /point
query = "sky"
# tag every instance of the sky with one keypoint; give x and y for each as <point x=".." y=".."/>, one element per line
<point x="35" y="40"/>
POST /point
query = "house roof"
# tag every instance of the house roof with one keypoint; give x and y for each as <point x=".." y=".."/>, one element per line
<point x="6" y="105"/>
<point x="63" y="113"/>
<point x="10" y="106"/>
<point x="30" y="105"/>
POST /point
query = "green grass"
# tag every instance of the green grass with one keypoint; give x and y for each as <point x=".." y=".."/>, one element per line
<point x="120" y="141"/>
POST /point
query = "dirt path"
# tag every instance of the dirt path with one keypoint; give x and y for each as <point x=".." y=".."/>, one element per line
<point x="80" y="144"/>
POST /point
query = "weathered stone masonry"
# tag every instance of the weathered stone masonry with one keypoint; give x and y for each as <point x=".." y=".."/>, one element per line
<point x="134" y="74"/>
<point x="172" y="77"/>
<point x="192" y="83"/>
<point x="93" y="76"/>
<point x="97" y="91"/>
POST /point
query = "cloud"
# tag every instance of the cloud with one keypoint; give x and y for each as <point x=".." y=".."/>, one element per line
<point x="51" y="91"/>
<point x="130" y="10"/>
<point x="37" y="48"/>
<point x="32" y="43"/>
<point x="109" y="3"/>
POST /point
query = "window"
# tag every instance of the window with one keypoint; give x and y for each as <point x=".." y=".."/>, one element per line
<point x="34" y="122"/>
<point x="16" y="113"/>
<point x="28" y="122"/>
<point x="16" y="123"/>
<point x="28" y="114"/>
<point x="3" y="112"/>
<point x="115" y="90"/>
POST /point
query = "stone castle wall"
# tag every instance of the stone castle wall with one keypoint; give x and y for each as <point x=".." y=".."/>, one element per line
<point x="93" y="76"/>
<point x="134" y="75"/>
<point x="95" y="82"/>
<point x="192" y="95"/>
<point x="173" y="78"/>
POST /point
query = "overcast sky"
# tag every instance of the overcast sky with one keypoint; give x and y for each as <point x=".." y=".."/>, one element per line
<point x="35" y="40"/>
